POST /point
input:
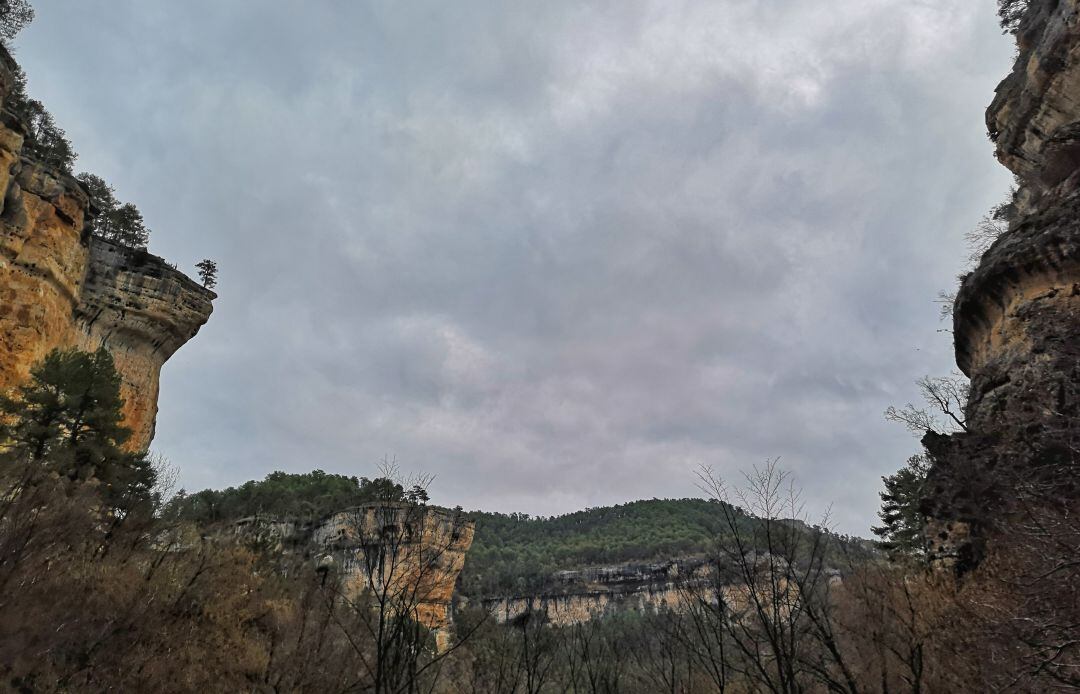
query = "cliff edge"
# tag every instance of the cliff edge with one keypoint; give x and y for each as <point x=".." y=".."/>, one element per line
<point x="407" y="556"/>
<point x="1017" y="315"/>
<point x="61" y="287"/>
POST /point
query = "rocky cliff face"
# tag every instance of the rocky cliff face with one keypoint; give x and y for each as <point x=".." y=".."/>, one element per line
<point x="142" y="310"/>
<point x="1017" y="316"/>
<point x="587" y="594"/>
<point x="60" y="287"/>
<point x="410" y="554"/>
<point x="566" y="609"/>
<point x="590" y="594"/>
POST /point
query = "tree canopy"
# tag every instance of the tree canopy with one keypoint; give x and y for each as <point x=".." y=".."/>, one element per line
<point x="1011" y="13"/>
<point x="305" y="496"/>
<point x="14" y="16"/>
<point x="115" y="221"/>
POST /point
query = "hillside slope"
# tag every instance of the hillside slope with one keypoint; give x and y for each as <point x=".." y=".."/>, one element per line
<point x="518" y="555"/>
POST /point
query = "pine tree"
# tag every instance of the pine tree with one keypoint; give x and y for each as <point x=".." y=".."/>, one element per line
<point x="903" y="524"/>
<point x="67" y="421"/>
<point x="130" y="230"/>
<point x="1010" y="13"/>
<point x="207" y="272"/>
<point x="116" y="222"/>
<point x="14" y="15"/>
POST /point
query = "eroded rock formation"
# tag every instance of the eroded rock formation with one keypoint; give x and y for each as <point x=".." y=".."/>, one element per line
<point x="61" y="287"/>
<point x="1017" y="316"/>
<point x="587" y="594"/>
<point x="410" y="555"/>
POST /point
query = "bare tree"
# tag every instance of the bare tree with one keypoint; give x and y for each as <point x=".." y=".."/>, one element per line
<point x="781" y="627"/>
<point x="946" y="399"/>
<point x="989" y="229"/>
<point x="594" y="659"/>
<point x="408" y="557"/>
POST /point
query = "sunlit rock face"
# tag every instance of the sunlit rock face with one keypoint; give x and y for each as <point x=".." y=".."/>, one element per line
<point x="43" y="261"/>
<point x="1017" y="315"/>
<point x="142" y="310"/>
<point x="61" y="287"/>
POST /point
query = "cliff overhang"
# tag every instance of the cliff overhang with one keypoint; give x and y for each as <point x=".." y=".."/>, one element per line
<point x="61" y="287"/>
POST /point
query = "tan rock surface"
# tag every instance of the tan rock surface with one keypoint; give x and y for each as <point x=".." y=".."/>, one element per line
<point x="411" y="554"/>
<point x="60" y="287"/>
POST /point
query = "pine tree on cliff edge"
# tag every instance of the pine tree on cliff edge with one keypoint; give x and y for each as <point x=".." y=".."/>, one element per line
<point x="901" y="529"/>
<point x="207" y="272"/>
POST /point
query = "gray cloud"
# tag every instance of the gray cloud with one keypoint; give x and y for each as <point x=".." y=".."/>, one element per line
<point x="558" y="254"/>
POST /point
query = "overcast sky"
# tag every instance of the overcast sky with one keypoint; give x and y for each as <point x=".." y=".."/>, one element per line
<point x="556" y="253"/>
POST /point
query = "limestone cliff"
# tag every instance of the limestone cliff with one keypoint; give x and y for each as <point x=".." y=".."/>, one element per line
<point x="410" y="554"/>
<point x="61" y="287"/>
<point x="142" y="310"/>
<point x="1017" y="316"/>
<point x="589" y="594"/>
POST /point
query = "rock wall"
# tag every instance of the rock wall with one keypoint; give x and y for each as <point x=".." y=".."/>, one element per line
<point x="599" y="592"/>
<point x="413" y="554"/>
<point x="1017" y="316"/>
<point x="142" y="310"/>
<point x="61" y="287"/>
<point x="576" y="608"/>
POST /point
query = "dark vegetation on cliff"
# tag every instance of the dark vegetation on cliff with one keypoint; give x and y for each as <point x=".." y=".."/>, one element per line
<point x="301" y="497"/>
<point x="1010" y="12"/>
<point x="47" y="143"/>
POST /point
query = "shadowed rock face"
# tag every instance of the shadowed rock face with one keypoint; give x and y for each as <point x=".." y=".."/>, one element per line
<point x="60" y="287"/>
<point x="1017" y="316"/>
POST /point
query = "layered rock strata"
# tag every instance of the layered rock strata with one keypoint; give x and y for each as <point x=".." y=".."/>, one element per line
<point x="581" y="596"/>
<point x="61" y="287"/>
<point x="1017" y="316"/>
<point x="675" y="586"/>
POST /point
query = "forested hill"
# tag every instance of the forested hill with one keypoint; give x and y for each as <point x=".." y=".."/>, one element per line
<point x="517" y="553"/>
<point x="511" y="554"/>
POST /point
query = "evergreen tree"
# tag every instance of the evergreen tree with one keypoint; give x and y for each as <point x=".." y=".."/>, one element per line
<point x="207" y="272"/>
<point x="14" y="15"/>
<point x="103" y="196"/>
<point x="1011" y="12"/>
<point x="45" y="141"/>
<point x="306" y="496"/>
<point x="67" y="421"/>
<point x="128" y="227"/>
<point x="902" y="525"/>
<point x="417" y="495"/>
<point x="115" y="221"/>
